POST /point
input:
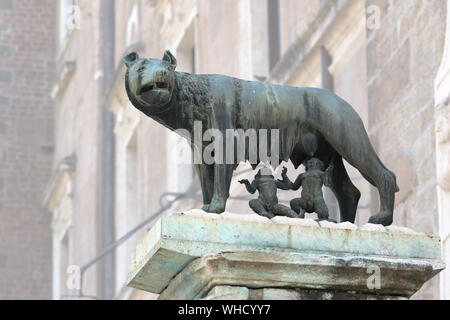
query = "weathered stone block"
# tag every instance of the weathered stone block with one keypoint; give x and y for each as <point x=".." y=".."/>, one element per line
<point x="305" y="294"/>
<point x="228" y="293"/>
<point x="392" y="82"/>
<point x="184" y="256"/>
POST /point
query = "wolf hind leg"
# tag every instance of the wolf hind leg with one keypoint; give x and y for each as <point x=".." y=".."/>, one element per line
<point x="345" y="191"/>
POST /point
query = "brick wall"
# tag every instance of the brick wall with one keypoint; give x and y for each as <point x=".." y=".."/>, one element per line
<point x="403" y="57"/>
<point x="27" y="71"/>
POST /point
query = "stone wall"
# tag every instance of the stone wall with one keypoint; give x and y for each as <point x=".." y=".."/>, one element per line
<point x="296" y="16"/>
<point x="78" y="126"/>
<point x="224" y="31"/>
<point x="27" y="73"/>
<point x="403" y="57"/>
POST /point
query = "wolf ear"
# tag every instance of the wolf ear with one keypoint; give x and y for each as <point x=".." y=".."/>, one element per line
<point x="130" y="59"/>
<point x="169" y="58"/>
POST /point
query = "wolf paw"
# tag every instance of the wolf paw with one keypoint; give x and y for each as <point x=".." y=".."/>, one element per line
<point x="384" y="217"/>
<point x="214" y="207"/>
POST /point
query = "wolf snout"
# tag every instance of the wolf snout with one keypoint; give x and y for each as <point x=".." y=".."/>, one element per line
<point x="146" y="88"/>
<point x="152" y="85"/>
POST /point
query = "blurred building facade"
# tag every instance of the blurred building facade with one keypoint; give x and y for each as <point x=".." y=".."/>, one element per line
<point x="27" y="74"/>
<point x="111" y="164"/>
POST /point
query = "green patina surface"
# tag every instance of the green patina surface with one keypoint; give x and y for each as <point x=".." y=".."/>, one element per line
<point x="178" y="239"/>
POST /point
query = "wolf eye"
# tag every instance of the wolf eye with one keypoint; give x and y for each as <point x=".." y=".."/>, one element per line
<point x="141" y="69"/>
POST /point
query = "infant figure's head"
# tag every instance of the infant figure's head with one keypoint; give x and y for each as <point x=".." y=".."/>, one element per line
<point x="313" y="163"/>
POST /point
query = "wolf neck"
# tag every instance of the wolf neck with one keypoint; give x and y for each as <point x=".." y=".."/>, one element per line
<point x="189" y="103"/>
<point x="191" y="100"/>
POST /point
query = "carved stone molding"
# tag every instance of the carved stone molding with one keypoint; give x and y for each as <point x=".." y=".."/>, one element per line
<point x="442" y="127"/>
<point x="442" y="82"/>
<point x="330" y="23"/>
<point x="64" y="172"/>
<point x="65" y="74"/>
<point x="178" y="15"/>
<point x="58" y="196"/>
<point x="127" y="120"/>
<point x="443" y="147"/>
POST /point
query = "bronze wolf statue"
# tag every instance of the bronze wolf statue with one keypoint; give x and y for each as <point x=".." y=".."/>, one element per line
<point x="311" y="122"/>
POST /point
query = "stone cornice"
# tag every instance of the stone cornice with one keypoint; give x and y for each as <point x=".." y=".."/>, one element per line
<point x="67" y="70"/>
<point x="311" y="39"/>
<point x="178" y="15"/>
<point x="304" y="251"/>
<point x="58" y="185"/>
<point x="442" y="81"/>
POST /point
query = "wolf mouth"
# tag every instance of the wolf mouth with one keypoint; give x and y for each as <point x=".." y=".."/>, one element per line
<point x="152" y="86"/>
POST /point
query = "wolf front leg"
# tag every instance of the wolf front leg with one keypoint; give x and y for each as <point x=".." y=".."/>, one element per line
<point x="222" y="180"/>
<point x="206" y="176"/>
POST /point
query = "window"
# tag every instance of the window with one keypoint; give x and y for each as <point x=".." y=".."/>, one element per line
<point x="58" y="199"/>
<point x="126" y="212"/>
<point x="62" y="220"/>
<point x="131" y="194"/>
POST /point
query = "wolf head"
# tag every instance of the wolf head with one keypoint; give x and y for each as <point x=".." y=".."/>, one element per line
<point x="150" y="82"/>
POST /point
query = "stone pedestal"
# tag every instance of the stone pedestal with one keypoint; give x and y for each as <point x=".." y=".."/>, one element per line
<point x="197" y="255"/>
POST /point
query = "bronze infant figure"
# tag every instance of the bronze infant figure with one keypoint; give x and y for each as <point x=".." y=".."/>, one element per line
<point x="267" y="203"/>
<point x="311" y="182"/>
